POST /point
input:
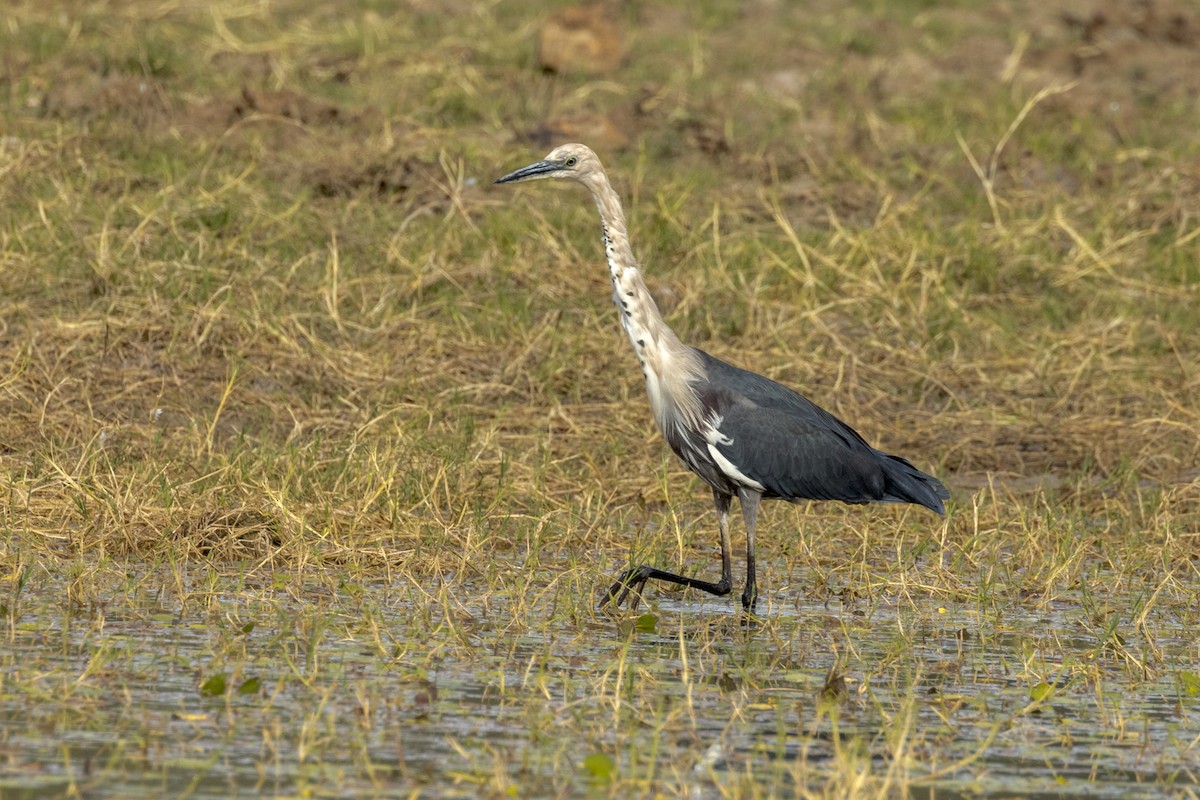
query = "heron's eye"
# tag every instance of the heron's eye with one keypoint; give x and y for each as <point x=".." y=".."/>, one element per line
<point x="571" y="161"/>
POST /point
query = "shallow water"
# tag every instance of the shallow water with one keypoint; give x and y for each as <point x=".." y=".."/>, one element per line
<point x="108" y="701"/>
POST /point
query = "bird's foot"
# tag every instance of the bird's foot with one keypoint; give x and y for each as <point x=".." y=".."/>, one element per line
<point x="749" y="617"/>
<point x="750" y="600"/>
<point x="631" y="584"/>
<point x="633" y="581"/>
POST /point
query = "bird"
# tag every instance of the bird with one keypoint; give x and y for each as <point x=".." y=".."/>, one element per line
<point x="743" y="434"/>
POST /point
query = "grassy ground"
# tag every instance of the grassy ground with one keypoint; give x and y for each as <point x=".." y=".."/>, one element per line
<point x="316" y="447"/>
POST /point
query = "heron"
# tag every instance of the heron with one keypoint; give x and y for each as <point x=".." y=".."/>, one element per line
<point x="743" y="434"/>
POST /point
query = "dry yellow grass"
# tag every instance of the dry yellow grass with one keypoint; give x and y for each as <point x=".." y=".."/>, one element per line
<point x="273" y="354"/>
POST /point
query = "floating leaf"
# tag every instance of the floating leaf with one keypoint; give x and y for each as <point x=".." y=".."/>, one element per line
<point x="1190" y="682"/>
<point x="600" y="766"/>
<point x="214" y="686"/>
<point x="250" y="686"/>
<point x="1040" y="692"/>
<point x="646" y="623"/>
<point x="249" y="626"/>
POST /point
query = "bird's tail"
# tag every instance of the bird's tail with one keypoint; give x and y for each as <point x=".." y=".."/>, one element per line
<point x="907" y="484"/>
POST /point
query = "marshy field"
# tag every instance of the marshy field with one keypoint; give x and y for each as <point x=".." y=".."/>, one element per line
<point x="318" y="450"/>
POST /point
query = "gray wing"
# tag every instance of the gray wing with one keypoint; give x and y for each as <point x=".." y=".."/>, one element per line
<point x="797" y="450"/>
<point x="741" y="384"/>
<point x="793" y="458"/>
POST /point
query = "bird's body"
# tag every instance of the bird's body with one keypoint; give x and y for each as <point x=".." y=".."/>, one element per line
<point x="821" y="457"/>
<point x="745" y="435"/>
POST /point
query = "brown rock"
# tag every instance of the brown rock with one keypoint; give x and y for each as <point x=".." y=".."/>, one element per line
<point x="581" y="38"/>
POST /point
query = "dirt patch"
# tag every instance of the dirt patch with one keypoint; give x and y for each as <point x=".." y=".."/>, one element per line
<point x="394" y="173"/>
<point x="1128" y="58"/>
<point x="387" y="175"/>
<point x="601" y="131"/>
<point x="152" y="108"/>
<point x="318" y="145"/>
<point x="281" y="103"/>
<point x="88" y="96"/>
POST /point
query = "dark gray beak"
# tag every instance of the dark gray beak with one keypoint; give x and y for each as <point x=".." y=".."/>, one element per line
<point x="532" y="171"/>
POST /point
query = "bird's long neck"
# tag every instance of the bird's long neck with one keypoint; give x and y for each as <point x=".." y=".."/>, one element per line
<point x="668" y="365"/>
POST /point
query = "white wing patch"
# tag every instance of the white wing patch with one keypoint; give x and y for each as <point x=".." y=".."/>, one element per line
<point x="714" y="437"/>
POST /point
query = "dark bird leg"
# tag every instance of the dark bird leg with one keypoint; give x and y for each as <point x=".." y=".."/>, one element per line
<point x="634" y="579"/>
<point x="749" y="500"/>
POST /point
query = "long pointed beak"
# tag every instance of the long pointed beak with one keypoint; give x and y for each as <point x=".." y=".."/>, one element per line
<point x="532" y="171"/>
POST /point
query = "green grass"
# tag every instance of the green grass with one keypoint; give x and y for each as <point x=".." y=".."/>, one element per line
<point x="317" y="449"/>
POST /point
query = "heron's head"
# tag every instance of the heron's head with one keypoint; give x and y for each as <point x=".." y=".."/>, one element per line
<point x="574" y="161"/>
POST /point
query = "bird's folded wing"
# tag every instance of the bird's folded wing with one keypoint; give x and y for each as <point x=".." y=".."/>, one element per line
<point x="797" y="458"/>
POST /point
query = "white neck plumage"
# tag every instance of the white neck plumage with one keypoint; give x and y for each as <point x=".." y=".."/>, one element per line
<point x="668" y="365"/>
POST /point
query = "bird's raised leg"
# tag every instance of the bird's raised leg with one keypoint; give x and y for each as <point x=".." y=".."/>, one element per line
<point x="634" y="579"/>
<point x="749" y="499"/>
